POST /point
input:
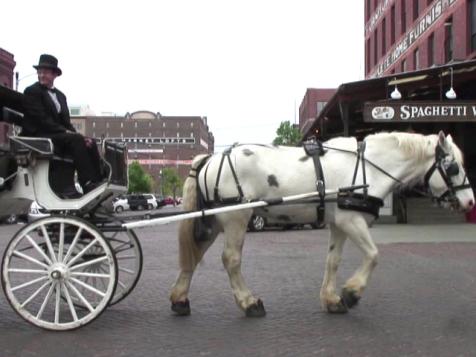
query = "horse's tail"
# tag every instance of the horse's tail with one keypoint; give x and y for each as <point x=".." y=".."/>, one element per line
<point x="189" y="252"/>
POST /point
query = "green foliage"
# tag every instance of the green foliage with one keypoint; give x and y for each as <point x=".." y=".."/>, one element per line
<point x="139" y="180"/>
<point x="171" y="182"/>
<point x="287" y="134"/>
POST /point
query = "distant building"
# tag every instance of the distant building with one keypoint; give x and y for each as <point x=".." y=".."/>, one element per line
<point x="155" y="141"/>
<point x="315" y="99"/>
<point x="7" y="64"/>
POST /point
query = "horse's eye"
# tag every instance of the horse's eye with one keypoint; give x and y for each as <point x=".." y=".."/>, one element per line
<point x="451" y="168"/>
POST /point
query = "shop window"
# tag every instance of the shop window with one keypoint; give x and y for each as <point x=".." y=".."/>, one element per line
<point x="431" y="50"/>
<point x="375" y="47"/>
<point x="320" y="106"/>
<point x="367" y="55"/>
<point x="392" y="25"/>
<point x="416" y="59"/>
<point x="473" y="24"/>
<point x="403" y="15"/>
<point x="416" y="9"/>
<point x="404" y="65"/>
<point x="449" y="40"/>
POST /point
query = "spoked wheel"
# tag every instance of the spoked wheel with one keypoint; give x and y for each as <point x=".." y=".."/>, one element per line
<point x="128" y="253"/>
<point x="46" y="268"/>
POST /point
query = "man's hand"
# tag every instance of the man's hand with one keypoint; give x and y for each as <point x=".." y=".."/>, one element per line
<point x="89" y="142"/>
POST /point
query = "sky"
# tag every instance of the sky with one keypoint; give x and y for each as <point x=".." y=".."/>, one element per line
<point x="245" y="65"/>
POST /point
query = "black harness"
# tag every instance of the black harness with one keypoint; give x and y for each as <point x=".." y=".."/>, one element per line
<point x="447" y="170"/>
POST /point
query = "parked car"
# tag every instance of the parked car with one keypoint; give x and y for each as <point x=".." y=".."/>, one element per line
<point x="36" y="212"/>
<point x="160" y="201"/>
<point x="258" y="223"/>
<point x="120" y="204"/>
<point x="151" y="201"/>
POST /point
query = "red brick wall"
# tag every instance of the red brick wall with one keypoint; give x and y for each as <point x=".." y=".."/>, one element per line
<point x="458" y="10"/>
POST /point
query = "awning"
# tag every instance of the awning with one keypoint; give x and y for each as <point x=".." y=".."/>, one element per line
<point x="344" y="111"/>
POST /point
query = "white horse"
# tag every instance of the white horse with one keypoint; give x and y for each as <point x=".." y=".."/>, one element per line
<point x="269" y="172"/>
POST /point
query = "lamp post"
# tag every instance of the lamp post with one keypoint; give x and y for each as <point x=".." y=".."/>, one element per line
<point x="17" y="79"/>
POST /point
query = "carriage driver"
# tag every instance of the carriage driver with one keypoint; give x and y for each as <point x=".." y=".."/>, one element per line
<point x="47" y="115"/>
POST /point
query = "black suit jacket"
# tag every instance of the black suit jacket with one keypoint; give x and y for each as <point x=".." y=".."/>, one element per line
<point x="41" y="116"/>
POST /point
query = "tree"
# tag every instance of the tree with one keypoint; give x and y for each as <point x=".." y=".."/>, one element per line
<point x="171" y="182"/>
<point x="287" y="134"/>
<point x="139" y="180"/>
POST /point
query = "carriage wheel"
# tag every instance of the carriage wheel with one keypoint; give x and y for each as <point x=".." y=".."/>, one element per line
<point x="44" y="272"/>
<point x="128" y="253"/>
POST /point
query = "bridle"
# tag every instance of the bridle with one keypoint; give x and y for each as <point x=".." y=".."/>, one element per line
<point x="447" y="169"/>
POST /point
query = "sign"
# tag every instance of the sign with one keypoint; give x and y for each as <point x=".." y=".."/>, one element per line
<point x="161" y="162"/>
<point x="155" y="140"/>
<point x="420" y="111"/>
<point x="422" y="25"/>
<point x="381" y="7"/>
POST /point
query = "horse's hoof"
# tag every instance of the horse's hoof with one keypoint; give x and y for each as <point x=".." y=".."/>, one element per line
<point x="181" y="308"/>
<point x="338" y="308"/>
<point x="349" y="298"/>
<point x="256" y="310"/>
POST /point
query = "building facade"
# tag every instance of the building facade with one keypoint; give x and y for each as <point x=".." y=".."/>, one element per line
<point x="7" y="65"/>
<point x="153" y="140"/>
<point x="315" y="99"/>
<point x="409" y="35"/>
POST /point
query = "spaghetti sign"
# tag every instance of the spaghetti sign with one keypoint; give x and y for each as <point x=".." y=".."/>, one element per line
<point x="460" y="111"/>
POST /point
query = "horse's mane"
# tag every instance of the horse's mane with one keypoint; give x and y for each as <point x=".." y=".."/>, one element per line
<point x="415" y="145"/>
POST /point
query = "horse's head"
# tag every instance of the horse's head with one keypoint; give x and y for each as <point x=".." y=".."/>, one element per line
<point x="446" y="178"/>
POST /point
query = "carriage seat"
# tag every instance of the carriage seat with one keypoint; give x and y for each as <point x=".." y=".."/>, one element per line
<point x="22" y="145"/>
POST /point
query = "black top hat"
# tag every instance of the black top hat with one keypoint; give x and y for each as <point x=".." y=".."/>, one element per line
<point x="49" y="61"/>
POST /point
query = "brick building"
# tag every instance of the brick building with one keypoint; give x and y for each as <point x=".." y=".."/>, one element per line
<point x="154" y="140"/>
<point x="315" y="99"/>
<point x="408" y="35"/>
<point x="7" y="64"/>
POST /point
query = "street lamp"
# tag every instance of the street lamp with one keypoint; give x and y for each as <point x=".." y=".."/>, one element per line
<point x="17" y="80"/>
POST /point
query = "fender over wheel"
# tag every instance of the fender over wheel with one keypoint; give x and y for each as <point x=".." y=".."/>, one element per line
<point x="46" y="268"/>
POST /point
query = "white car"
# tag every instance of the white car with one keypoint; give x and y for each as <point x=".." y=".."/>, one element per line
<point x="151" y="201"/>
<point x="120" y="204"/>
<point x="36" y="212"/>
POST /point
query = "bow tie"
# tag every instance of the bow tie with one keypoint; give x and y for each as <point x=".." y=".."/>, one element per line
<point x="52" y="90"/>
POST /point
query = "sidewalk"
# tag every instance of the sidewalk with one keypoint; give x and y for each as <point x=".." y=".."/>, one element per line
<point x="418" y="233"/>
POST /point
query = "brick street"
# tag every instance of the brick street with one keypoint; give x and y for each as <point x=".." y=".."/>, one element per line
<point x="419" y="301"/>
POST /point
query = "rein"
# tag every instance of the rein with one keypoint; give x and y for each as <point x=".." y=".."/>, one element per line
<point x="446" y="171"/>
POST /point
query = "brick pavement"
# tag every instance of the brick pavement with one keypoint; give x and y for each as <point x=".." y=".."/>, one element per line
<point x="419" y="302"/>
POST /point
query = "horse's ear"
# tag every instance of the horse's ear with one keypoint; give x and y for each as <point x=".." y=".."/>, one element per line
<point x="441" y="138"/>
<point x="449" y="138"/>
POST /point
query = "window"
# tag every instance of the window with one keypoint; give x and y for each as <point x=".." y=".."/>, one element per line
<point x="416" y="59"/>
<point x="94" y="124"/>
<point x="473" y="24"/>
<point x="122" y="124"/>
<point x="367" y="8"/>
<point x="375" y="47"/>
<point x="320" y="106"/>
<point x="403" y="16"/>
<point x="448" y="40"/>
<point x="392" y="25"/>
<point x="428" y="2"/>
<point x="367" y="55"/>
<point x="416" y="9"/>
<point x="404" y="65"/>
<point x="431" y="50"/>
<point x="384" y="34"/>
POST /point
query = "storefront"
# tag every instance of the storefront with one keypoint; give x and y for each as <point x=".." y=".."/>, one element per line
<point x="426" y="101"/>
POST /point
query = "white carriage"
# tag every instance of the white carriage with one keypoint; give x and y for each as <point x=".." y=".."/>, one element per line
<point x="62" y="271"/>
